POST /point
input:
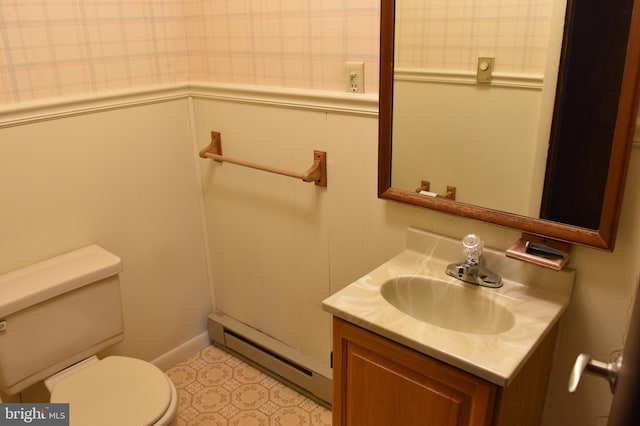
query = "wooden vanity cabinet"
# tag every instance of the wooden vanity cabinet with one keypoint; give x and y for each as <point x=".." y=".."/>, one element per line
<point x="378" y="382"/>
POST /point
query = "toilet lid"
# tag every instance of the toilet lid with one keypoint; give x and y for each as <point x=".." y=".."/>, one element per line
<point x="115" y="391"/>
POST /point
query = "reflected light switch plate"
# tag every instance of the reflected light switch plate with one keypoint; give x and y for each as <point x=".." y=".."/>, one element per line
<point x="485" y="68"/>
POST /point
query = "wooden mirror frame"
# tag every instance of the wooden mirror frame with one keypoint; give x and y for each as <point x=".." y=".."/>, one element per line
<point x="604" y="236"/>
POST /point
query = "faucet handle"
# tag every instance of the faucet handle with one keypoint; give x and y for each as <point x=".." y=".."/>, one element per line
<point x="472" y="247"/>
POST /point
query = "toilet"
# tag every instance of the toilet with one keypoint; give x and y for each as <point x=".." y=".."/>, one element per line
<point x="55" y="316"/>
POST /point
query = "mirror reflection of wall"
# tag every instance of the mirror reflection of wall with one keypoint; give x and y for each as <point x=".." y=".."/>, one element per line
<point x="488" y="140"/>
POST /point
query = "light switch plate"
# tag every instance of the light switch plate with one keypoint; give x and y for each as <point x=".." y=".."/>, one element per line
<point x="485" y="69"/>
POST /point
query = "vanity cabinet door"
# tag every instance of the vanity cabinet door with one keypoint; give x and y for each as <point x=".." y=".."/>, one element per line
<point x="378" y="382"/>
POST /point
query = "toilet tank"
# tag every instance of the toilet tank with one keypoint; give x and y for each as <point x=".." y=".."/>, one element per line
<point x="56" y="313"/>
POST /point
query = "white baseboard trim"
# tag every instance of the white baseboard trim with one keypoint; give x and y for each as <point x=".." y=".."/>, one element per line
<point x="180" y="353"/>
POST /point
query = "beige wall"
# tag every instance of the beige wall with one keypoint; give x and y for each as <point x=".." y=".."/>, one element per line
<point x="268" y="233"/>
<point x="361" y="231"/>
<point x="488" y="136"/>
<point x="123" y="179"/>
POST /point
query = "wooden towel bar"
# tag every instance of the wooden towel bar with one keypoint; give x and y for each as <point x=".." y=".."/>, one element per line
<point x="317" y="173"/>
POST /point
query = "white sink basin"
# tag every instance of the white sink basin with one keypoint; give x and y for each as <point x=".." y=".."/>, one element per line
<point x="459" y="308"/>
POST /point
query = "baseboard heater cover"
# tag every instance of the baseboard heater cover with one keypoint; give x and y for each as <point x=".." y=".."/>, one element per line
<point x="305" y="373"/>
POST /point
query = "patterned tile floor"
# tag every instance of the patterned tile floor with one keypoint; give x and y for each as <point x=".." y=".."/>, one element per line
<point x="218" y="389"/>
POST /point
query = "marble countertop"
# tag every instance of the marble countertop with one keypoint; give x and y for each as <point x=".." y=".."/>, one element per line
<point x="535" y="296"/>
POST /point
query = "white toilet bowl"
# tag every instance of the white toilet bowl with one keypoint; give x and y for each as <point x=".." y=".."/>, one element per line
<point x="71" y="306"/>
<point x="115" y="391"/>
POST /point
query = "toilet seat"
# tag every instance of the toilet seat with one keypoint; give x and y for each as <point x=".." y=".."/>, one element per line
<point x="118" y="391"/>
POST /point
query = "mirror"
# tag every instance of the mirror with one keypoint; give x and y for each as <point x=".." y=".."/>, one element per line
<point x="573" y="158"/>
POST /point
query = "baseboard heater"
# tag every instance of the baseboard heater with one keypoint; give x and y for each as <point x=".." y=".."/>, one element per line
<point x="306" y="374"/>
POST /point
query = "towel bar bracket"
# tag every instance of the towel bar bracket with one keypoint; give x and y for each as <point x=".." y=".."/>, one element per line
<point x="317" y="173"/>
<point x="450" y="194"/>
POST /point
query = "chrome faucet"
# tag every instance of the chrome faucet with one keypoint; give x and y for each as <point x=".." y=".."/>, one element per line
<point x="471" y="270"/>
